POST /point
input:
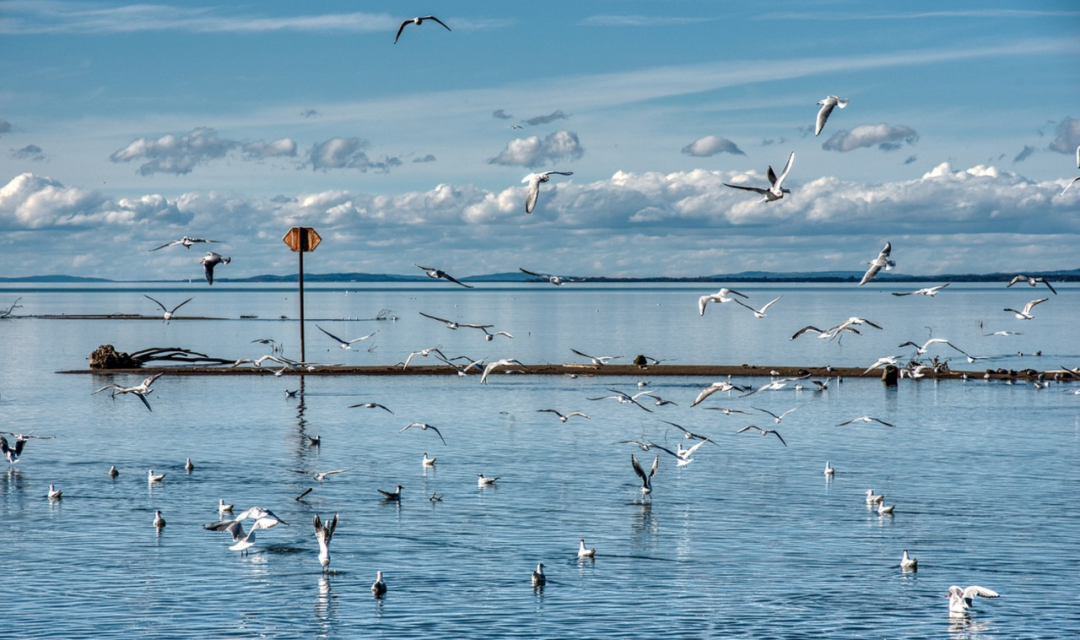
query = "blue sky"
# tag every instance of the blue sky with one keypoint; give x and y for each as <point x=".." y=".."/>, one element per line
<point x="124" y="126"/>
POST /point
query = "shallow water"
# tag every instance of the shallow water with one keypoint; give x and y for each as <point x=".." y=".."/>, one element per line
<point x="748" y="541"/>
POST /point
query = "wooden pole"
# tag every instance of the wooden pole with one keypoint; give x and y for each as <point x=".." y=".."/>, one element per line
<point x="303" y="248"/>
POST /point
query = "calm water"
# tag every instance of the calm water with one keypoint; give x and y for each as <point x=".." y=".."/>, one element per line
<point x="748" y="541"/>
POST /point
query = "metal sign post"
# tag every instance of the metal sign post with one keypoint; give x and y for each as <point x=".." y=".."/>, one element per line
<point x="300" y="240"/>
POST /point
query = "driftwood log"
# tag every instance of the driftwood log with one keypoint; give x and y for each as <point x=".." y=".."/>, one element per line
<point x="107" y="357"/>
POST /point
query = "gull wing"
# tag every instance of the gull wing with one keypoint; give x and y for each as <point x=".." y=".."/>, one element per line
<point x="754" y="189"/>
<point x="975" y="590"/>
<point x="823" y="115"/>
<point x="533" y="194"/>
<point x="787" y="167"/>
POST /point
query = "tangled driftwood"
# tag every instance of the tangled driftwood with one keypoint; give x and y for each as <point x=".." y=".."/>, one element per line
<point x="107" y="357"/>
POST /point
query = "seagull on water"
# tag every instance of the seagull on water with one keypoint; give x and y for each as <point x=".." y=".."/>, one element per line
<point x="764" y="432"/>
<point x="54" y="493"/>
<point x="555" y="280"/>
<point x="417" y="21"/>
<point x="538" y="578"/>
<point x="1026" y="313"/>
<point x="378" y="588"/>
<point x="883" y="510"/>
<point x="392" y="496"/>
<point x="882" y="261"/>
<point x="721" y="296"/>
<point x="346" y="344"/>
<point x="873" y="498"/>
<point x="829" y="471"/>
<point x="159" y="522"/>
<point x="907" y="563"/>
<point x="152" y="477"/>
<point x="646" y="480"/>
<point x="427" y="462"/>
<point x="584" y="553"/>
<point x="775" y="190"/>
<point x="319" y="476"/>
<point x="188" y="466"/>
<point x="323" y="533"/>
<point x="209" y="261"/>
<point x="186" y="241"/>
<point x="534" y="180"/>
<point x="485" y="482"/>
<point x="505" y="362"/>
<point x="759" y="313"/>
<point x="596" y="360"/>
<point x="1032" y="281"/>
<point x="169" y="312"/>
<point x="960" y="599"/>
<point x="223" y="508"/>
<point x="439" y="273"/>
<point x="563" y="418"/>
<point x="929" y="291"/>
<point x="113" y="472"/>
<point x="369" y="405"/>
<point x="827" y="106"/>
<point x="424" y="426"/>
<point x="866" y="420"/>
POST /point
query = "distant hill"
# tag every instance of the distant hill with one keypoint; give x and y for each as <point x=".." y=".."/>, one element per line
<point x="54" y="278"/>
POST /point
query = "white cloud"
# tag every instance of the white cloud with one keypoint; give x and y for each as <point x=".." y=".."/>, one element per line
<point x="30" y="152"/>
<point x="710" y="146"/>
<point x="1067" y="137"/>
<point x="533" y="152"/>
<point x="259" y="149"/>
<point x="347" y="153"/>
<point x="170" y="154"/>
<point x="883" y="136"/>
<point x="35" y="202"/>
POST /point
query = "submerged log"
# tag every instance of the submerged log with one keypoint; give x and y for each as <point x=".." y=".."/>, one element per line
<point x="107" y="357"/>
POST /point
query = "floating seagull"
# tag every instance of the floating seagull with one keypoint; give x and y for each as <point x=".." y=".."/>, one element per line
<point x="882" y="261"/>
<point x="346" y="344"/>
<point x="152" y="477"/>
<point x="113" y="472"/>
<point x="597" y="360"/>
<point x="428" y="462"/>
<point x="485" y="482"/>
<point x="209" y="261"/>
<point x="188" y="466"/>
<point x="141" y="390"/>
<point x="186" y="241"/>
<point x="424" y="426"/>
<point x="555" y="280"/>
<point x="563" y="418"/>
<point x="1026" y="313"/>
<point x="159" y="522"/>
<point x="827" y="106"/>
<point x="873" y="498"/>
<point x="538" y="579"/>
<point x="646" y="480"/>
<point x="929" y="291"/>
<point x="866" y="420"/>
<point x="534" y="180"/>
<point x="623" y="399"/>
<point x="417" y="21"/>
<point x="505" y="362"/>
<point x="370" y="405"/>
<point x="378" y="588"/>
<point x="721" y="296"/>
<point x="759" y="313"/>
<point x="1032" y="281"/>
<point x="960" y="599"/>
<point x="315" y="441"/>
<point x="392" y="496"/>
<point x="775" y="190"/>
<point x="323" y="533"/>
<point x="583" y="552"/>
<point x="829" y="471"/>
<point x="319" y="476"/>
<point x="169" y="312"/>
<point x="54" y="493"/>
<point x="690" y="435"/>
<point x="223" y="508"/>
<point x="777" y="418"/>
<point x="883" y="510"/>
<point x="439" y="273"/>
<point x="764" y="432"/>
<point x="907" y="563"/>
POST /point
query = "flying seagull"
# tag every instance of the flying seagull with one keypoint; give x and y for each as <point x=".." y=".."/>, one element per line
<point x="713" y="388"/>
<point x="929" y="291"/>
<point x="646" y="480"/>
<point x="623" y="399"/>
<point x="505" y="362"/>
<point x="775" y="190"/>
<point x="346" y="344"/>
<point x="882" y="261"/>
<point x="370" y="405"/>
<point x="417" y="21"/>
<point x="186" y="241"/>
<point x="597" y="360"/>
<point x="1026" y="313"/>
<point x="209" y="261"/>
<point x="827" y="106"/>
<point x="759" y="313"/>
<point x="720" y="296"/>
<point x="169" y="312"/>
<point x="424" y="426"/>
<point x="777" y="418"/>
<point x="534" y="180"/>
<point x="439" y="273"/>
<point x="764" y="432"/>
<point x="866" y="420"/>
<point x="960" y="599"/>
<point x="1032" y="281"/>
<point x="690" y="435"/>
<point x="141" y="390"/>
<point x="563" y="418"/>
<point x="323" y="533"/>
<point x="320" y="476"/>
<point x="555" y="280"/>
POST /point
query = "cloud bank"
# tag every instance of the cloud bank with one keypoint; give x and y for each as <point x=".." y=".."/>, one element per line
<point x="882" y="136"/>
<point x="710" y="146"/>
<point x="533" y="152"/>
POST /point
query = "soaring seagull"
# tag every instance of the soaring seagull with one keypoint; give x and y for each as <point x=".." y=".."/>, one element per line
<point x="555" y="280"/>
<point x="209" y="261"/>
<point x="346" y="344"/>
<point x="882" y="261"/>
<point x="424" y="426"/>
<point x="1026" y="313"/>
<point x="186" y="241"/>
<point x="1032" y="281"/>
<point x="827" y="106"/>
<point x="439" y="273"/>
<point x="534" y="180"/>
<point x="721" y="296"/>
<point x="775" y="190"/>
<point x="417" y="21"/>
<point x="169" y="312"/>
<point x="764" y="432"/>
<point x="646" y="480"/>
<point x="929" y="291"/>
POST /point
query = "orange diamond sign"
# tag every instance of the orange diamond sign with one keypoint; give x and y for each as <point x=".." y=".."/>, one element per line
<point x="302" y="239"/>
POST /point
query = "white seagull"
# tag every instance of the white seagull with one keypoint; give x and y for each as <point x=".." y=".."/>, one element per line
<point x="378" y="588"/>
<point x="597" y="360"/>
<point x="829" y="471"/>
<point x="1069" y="185"/>
<point x="1026" y="313"/>
<point x="505" y="362"/>
<point x="646" y="480"/>
<point x="563" y="418"/>
<point x="866" y="420"/>
<point x="169" y="312"/>
<point x="323" y="533"/>
<point x="417" y="21"/>
<point x="1032" y="281"/>
<point x="186" y="241"/>
<point x="623" y="399"/>
<point x="427" y="462"/>
<point x="777" y="418"/>
<point x="439" y="273"/>
<point x="54" y="493"/>
<point x="319" y="476"/>
<point x="370" y="405"/>
<point x="241" y="541"/>
<point x="223" y="508"/>
<point x="152" y="477"/>
<point x="882" y="261"/>
<point x="907" y="563"/>
<point x="141" y="390"/>
<point x="759" y="313"/>
<point x="424" y="427"/>
<point x="689" y="435"/>
<point x="764" y="432"/>
<point x="775" y="190"/>
<point x="960" y="599"/>
<point x="346" y="344"/>
<point x="209" y="261"/>
<point x="555" y="280"/>
<point x="827" y="106"/>
<point x="392" y="496"/>
<point x="159" y="522"/>
<point x="485" y="482"/>
<point x="12" y="453"/>
<point x="534" y="180"/>
<point x="538" y="578"/>
<point x="721" y="385"/>
<point x="584" y="553"/>
<point x="928" y="291"/>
